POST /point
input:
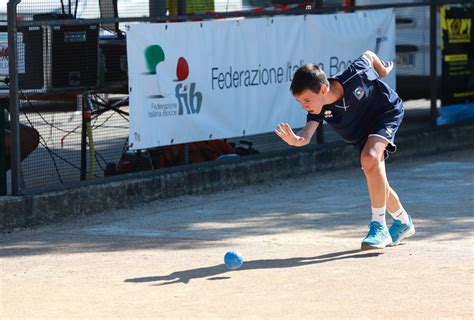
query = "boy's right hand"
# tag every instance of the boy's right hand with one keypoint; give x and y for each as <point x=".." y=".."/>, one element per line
<point x="285" y="132"/>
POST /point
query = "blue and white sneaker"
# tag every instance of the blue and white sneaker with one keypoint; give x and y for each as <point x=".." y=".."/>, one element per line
<point x="377" y="238"/>
<point x="399" y="231"/>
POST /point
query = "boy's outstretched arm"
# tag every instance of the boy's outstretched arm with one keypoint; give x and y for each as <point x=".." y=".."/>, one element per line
<point x="382" y="68"/>
<point x="302" y="138"/>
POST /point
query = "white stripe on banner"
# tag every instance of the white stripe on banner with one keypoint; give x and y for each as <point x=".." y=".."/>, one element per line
<point x="194" y="81"/>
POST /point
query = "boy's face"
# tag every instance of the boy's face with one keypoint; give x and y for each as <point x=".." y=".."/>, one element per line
<point x="310" y="101"/>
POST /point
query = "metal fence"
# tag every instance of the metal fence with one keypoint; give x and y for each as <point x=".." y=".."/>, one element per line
<point x="66" y="86"/>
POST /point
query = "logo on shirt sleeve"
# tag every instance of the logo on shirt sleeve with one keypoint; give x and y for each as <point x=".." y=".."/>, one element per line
<point x="359" y="92"/>
<point x="328" y="114"/>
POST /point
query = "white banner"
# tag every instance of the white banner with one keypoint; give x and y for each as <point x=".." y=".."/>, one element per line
<point x="219" y="79"/>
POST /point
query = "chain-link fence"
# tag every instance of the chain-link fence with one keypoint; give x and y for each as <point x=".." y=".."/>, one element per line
<point x="67" y="153"/>
<point x="73" y="80"/>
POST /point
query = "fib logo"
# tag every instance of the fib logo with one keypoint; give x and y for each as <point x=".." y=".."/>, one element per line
<point x="164" y="70"/>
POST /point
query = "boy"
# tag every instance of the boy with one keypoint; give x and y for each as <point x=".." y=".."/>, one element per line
<point x="366" y="112"/>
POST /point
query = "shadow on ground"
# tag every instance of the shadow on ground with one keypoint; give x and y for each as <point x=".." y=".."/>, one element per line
<point x="215" y="272"/>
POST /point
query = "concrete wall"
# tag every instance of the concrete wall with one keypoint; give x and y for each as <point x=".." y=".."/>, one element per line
<point x="130" y="190"/>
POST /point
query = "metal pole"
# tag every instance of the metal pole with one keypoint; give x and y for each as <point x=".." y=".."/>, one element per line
<point x="186" y="153"/>
<point x="320" y="134"/>
<point x="82" y="101"/>
<point x="13" y="93"/>
<point x="181" y="7"/>
<point x="433" y="57"/>
<point x="157" y="8"/>
<point x="3" y="169"/>
<point x="317" y="4"/>
<point x="320" y="131"/>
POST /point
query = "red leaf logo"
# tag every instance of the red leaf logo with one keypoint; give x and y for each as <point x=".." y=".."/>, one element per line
<point x="182" y="70"/>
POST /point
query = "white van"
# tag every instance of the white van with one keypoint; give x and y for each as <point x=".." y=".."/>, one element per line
<point x="413" y="48"/>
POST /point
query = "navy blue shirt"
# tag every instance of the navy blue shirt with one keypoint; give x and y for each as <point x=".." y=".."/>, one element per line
<point x="365" y="99"/>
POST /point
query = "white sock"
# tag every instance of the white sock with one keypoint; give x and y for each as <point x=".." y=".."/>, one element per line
<point x="401" y="215"/>
<point x="378" y="214"/>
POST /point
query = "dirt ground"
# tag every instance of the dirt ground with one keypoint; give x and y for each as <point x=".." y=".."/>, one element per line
<point x="300" y="240"/>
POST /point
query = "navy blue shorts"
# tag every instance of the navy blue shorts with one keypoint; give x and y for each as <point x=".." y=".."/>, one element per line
<point x="384" y="126"/>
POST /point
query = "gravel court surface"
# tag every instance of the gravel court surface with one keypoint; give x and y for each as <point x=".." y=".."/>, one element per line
<point x="300" y="240"/>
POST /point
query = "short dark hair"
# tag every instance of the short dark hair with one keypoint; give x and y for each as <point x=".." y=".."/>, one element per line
<point x="308" y="76"/>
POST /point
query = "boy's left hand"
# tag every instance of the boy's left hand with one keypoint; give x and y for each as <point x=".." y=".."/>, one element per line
<point x="388" y="66"/>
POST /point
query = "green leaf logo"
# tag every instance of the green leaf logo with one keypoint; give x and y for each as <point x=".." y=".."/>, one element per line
<point x="153" y="56"/>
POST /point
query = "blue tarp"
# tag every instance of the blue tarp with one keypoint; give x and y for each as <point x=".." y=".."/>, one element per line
<point x="455" y="113"/>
